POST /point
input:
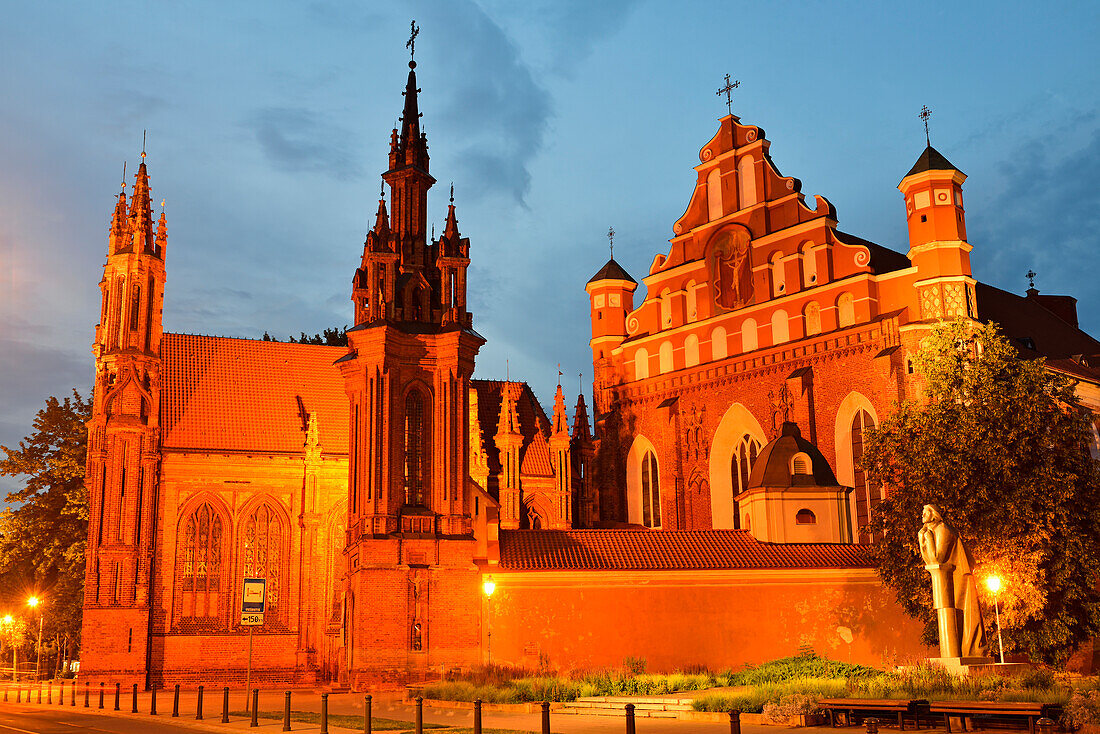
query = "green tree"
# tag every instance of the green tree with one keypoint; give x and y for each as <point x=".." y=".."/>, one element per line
<point x="44" y="528"/>
<point x="1001" y="445"/>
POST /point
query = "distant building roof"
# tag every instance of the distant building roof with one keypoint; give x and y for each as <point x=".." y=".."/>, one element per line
<point x="611" y="271"/>
<point x="1035" y="329"/>
<point x="534" y="456"/>
<point x="666" y="550"/>
<point x="225" y="394"/>
<point x="931" y="160"/>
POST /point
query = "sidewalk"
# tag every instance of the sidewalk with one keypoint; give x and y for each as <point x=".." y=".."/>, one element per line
<point x="385" y="704"/>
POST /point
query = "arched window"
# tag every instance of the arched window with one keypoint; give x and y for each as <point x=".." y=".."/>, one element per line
<point x="116" y="320"/>
<point x="262" y="554"/>
<point x="664" y="355"/>
<point x="641" y="364"/>
<point x="805" y="517"/>
<point x="744" y="456"/>
<point x="200" y="563"/>
<point x="692" y="301"/>
<point x="651" y="492"/>
<point x="416" y="449"/>
<point x="781" y="331"/>
<point x="718" y="349"/>
<point x="746" y="179"/>
<point x="801" y="464"/>
<point x="779" y="276"/>
<point x="714" y="194"/>
<point x="809" y="265"/>
<point x="691" y="350"/>
<point x="868" y="494"/>
<point x="666" y="308"/>
<point x="135" y="307"/>
<point x="749" y="339"/>
<point x="813" y="318"/>
<point x="845" y="310"/>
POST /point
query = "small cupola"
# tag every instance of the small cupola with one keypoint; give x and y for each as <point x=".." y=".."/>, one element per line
<point x="793" y="495"/>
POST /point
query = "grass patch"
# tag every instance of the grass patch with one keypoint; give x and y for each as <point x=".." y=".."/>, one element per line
<point x="350" y="721"/>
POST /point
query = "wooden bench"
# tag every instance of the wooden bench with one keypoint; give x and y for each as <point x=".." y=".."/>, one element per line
<point x="856" y="707"/>
<point x="996" y="709"/>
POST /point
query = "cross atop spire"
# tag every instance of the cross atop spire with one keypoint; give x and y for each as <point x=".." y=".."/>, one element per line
<point x="730" y="86"/>
<point x="925" y="113"/>
<point x="143" y="144"/>
<point x="414" y="31"/>
<point x="1030" y="274"/>
<point x="611" y="240"/>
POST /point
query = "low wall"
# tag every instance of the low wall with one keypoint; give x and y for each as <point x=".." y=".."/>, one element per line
<point x="679" y="619"/>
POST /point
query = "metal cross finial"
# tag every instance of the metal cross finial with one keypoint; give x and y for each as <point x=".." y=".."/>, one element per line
<point x="143" y="144"/>
<point x="580" y="383"/>
<point x="1031" y="278"/>
<point x="611" y="240"/>
<point x="559" y="374"/>
<point x="411" y="43"/>
<point x="382" y="190"/>
<point x="452" y="192"/>
<point x="124" y="175"/>
<point x="730" y="86"/>
<point x="925" y="113"/>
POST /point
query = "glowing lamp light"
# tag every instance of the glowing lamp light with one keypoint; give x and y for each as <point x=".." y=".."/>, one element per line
<point x="489" y="586"/>
<point x="8" y="619"/>
<point x="33" y="602"/>
<point x="993" y="583"/>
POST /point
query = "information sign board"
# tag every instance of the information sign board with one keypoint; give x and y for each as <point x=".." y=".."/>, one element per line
<point x="253" y="598"/>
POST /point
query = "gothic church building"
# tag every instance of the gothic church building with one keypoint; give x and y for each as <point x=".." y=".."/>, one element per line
<point x="376" y="486"/>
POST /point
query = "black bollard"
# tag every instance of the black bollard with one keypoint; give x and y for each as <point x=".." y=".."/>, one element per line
<point x="367" y="724"/>
<point x="133" y="709"/>
<point x="871" y="724"/>
<point x="1045" y="726"/>
<point x="101" y="694"/>
<point x="286" y="711"/>
<point x="49" y="692"/>
<point x="419" y="715"/>
<point x="72" y="697"/>
<point x="5" y="695"/>
<point x="255" y="707"/>
<point x="118" y="696"/>
<point x="176" y="701"/>
<point x="225" y="705"/>
<point x="39" y="692"/>
<point x="18" y="694"/>
<point x="545" y="717"/>
<point x="477" y="716"/>
<point x="735" y="722"/>
<point x="152" y="700"/>
<point x="630" y="718"/>
<point x="324" y="713"/>
<point x="198" y="707"/>
<point x="86" y="684"/>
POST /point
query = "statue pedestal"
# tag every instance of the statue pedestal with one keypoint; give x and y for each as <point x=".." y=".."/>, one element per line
<point x="965" y="666"/>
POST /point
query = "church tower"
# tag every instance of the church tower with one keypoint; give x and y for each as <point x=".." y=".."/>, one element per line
<point x="124" y="441"/>
<point x="611" y="298"/>
<point x="407" y="378"/>
<point x="937" y="237"/>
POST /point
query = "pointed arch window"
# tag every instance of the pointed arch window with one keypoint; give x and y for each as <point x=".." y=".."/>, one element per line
<point x="651" y="492"/>
<point x="744" y="456"/>
<point x="135" y="307"/>
<point x="262" y="554"/>
<point x="416" y="449"/>
<point x="200" y="563"/>
<point x="868" y="494"/>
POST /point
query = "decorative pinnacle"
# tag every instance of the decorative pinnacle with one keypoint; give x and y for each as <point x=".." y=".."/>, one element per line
<point x="162" y="206"/>
<point x="611" y="240"/>
<point x="411" y="43"/>
<point x="143" y="144"/>
<point x="730" y="86"/>
<point x="382" y="189"/>
<point x="925" y="113"/>
<point x="559" y="374"/>
<point x="452" y="192"/>
<point x="1030" y="274"/>
<point x="124" y="175"/>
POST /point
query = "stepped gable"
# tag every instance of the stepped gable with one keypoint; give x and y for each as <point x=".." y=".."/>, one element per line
<point x="667" y="550"/>
<point x="532" y="419"/>
<point x="226" y="394"/>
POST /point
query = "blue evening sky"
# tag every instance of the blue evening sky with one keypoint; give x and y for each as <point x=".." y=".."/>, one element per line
<point x="269" y="123"/>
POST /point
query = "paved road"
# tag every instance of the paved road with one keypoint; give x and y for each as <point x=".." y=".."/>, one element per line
<point x="34" y="719"/>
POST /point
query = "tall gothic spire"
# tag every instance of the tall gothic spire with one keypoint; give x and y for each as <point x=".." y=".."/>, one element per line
<point x="560" y="421"/>
<point x="141" y="210"/>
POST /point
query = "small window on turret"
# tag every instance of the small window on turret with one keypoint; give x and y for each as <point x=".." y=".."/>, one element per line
<point x="924" y="217"/>
<point x="599" y="316"/>
<point x="805" y="517"/>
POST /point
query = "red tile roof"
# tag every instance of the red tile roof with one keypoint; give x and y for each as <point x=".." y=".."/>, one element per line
<point x="666" y="550"/>
<point x="532" y="420"/>
<point x="224" y="394"/>
<point x="536" y="459"/>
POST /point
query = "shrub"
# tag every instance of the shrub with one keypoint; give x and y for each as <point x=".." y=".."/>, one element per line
<point x="634" y="666"/>
<point x="747" y="703"/>
<point x="1083" y="708"/>
<point x="794" y="704"/>
<point x="799" y="666"/>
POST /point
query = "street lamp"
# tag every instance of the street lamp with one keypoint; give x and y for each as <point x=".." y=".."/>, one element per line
<point x="33" y="602"/>
<point x="8" y="621"/>
<point x="489" y="586"/>
<point x="994" y="584"/>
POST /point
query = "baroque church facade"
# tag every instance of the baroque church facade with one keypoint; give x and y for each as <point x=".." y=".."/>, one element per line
<point x="376" y="486"/>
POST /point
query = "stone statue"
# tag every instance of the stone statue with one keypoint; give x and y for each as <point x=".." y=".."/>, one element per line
<point x="954" y="589"/>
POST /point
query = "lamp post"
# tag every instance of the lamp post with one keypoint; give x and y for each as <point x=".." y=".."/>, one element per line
<point x="489" y="586"/>
<point x="8" y="622"/>
<point x="34" y="602"/>
<point x="994" y="585"/>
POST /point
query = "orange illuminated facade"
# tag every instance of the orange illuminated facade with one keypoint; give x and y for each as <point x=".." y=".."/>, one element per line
<point x="375" y="485"/>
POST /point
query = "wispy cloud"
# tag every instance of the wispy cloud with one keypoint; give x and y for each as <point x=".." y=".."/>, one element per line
<point x="296" y="140"/>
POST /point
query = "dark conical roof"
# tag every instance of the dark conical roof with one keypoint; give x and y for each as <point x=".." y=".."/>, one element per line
<point x="931" y="160"/>
<point x="611" y="271"/>
<point x="773" y="465"/>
